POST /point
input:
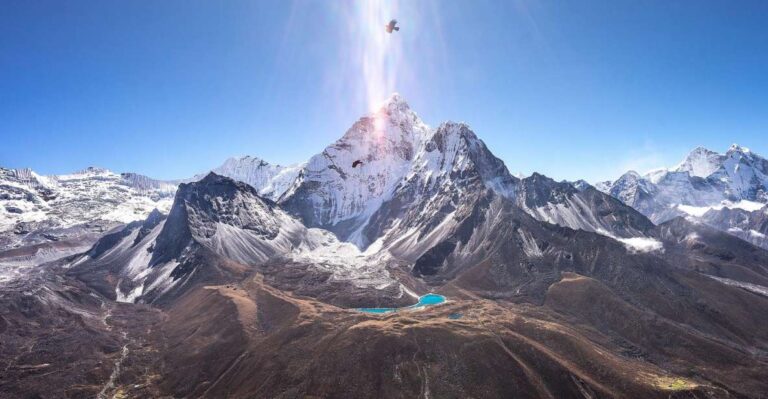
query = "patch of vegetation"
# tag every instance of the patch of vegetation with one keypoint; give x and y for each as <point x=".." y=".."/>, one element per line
<point x="674" y="384"/>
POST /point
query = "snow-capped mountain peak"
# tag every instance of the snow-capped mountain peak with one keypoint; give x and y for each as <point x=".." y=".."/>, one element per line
<point x="93" y="170"/>
<point x="393" y="120"/>
<point x="395" y="105"/>
<point x="353" y="176"/>
<point x="630" y="175"/>
<point x="737" y="148"/>
<point x="271" y="181"/>
<point x="246" y="158"/>
<point x="700" y="162"/>
<point x="461" y="151"/>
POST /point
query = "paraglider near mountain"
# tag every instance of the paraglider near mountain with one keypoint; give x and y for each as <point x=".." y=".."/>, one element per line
<point x="357" y="163"/>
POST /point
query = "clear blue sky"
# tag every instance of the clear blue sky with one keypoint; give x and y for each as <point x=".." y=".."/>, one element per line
<point x="572" y="89"/>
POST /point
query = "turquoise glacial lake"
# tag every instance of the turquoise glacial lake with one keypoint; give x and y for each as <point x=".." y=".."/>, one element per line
<point x="424" y="301"/>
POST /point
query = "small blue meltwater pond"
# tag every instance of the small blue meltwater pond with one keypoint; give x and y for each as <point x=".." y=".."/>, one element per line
<point x="424" y="301"/>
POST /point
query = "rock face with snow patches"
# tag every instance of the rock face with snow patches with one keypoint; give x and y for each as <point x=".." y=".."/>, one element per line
<point x="451" y="164"/>
<point x="751" y="226"/>
<point x="228" y="218"/>
<point x="587" y="209"/>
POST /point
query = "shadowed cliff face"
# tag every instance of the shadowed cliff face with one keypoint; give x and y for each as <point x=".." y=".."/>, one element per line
<point x="200" y="208"/>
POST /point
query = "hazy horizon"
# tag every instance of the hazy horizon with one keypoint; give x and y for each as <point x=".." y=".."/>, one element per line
<point x="514" y="172"/>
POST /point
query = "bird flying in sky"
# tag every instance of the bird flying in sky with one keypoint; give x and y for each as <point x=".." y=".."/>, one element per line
<point x="391" y="26"/>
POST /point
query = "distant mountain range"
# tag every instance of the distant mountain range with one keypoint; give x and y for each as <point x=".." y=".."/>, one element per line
<point x="727" y="191"/>
<point x="246" y="281"/>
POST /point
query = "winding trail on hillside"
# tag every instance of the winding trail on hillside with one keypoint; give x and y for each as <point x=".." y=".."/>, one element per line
<point x="110" y="385"/>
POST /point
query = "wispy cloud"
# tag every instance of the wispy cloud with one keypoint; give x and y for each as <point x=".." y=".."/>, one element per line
<point x="641" y="159"/>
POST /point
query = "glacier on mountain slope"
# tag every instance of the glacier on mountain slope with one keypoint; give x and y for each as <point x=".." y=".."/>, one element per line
<point x="80" y="197"/>
<point x="344" y="260"/>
